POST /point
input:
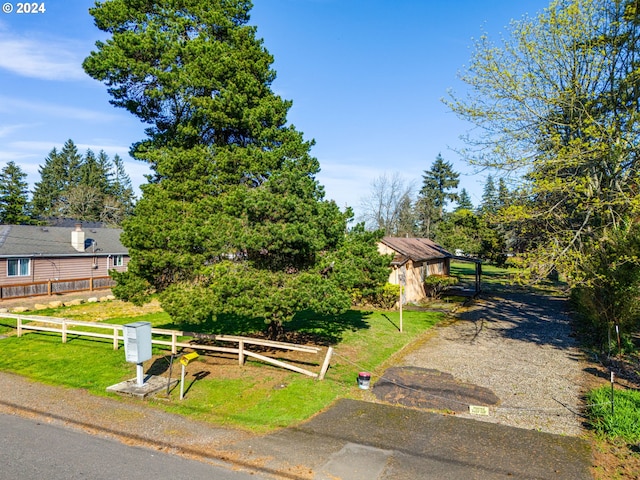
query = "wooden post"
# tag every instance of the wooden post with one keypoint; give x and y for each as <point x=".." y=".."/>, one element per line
<point x="403" y="282"/>
<point x="49" y="288"/>
<point x="401" y="288"/>
<point x="91" y="284"/>
<point x="64" y="332"/>
<point x="115" y="338"/>
<point x="325" y="365"/>
<point x="241" y="353"/>
<point x="174" y="340"/>
<point x="19" y="327"/>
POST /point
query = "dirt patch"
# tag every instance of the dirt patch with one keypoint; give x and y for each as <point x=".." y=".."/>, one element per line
<point x="95" y="311"/>
<point x="430" y="389"/>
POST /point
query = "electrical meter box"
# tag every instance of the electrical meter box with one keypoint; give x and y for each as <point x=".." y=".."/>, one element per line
<point x="137" y="341"/>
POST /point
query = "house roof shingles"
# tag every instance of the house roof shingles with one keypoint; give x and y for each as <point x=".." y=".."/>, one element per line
<point x="30" y="240"/>
<point x="415" y="249"/>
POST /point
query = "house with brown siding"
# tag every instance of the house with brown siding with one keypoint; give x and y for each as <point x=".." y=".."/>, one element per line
<point x="37" y="260"/>
<point x="417" y="258"/>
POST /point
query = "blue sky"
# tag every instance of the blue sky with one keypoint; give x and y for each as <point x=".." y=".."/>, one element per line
<point x="366" y="78"/>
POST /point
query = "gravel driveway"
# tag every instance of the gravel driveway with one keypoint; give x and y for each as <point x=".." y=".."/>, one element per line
<point x="518" y="346"/>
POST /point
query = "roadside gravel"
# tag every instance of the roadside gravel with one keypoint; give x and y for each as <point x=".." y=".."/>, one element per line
<point x="520" y="346"/>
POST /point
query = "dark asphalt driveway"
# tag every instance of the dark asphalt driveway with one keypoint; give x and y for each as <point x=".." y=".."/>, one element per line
<point x="360" y="440"/>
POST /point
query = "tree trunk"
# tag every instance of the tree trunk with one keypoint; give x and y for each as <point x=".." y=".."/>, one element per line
<point x="275" y="330"/>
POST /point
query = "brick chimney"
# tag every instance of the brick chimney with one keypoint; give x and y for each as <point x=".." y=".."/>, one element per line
<point x="77" y="238"/>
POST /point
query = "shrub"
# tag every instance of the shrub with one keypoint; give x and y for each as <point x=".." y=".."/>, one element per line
<point x="435" y="285"/>
<point x="516" y="262"/>
<point x="601" y="332"/>
<point x="387" y="296"/>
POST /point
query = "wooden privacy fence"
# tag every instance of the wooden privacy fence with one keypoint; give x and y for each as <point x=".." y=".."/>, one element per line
<point x="50" y="287"/>
<point x="62" y="326"/>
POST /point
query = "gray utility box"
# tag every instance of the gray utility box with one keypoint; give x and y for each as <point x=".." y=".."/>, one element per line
<point x="137" y="341"/>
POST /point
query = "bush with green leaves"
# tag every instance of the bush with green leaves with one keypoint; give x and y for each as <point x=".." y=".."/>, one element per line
<point x="605" y="294"/>
<point x="435" y="285"/>
<point x="387" y="296"/>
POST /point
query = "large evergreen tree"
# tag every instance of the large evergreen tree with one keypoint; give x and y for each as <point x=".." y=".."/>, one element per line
<point x="489" y="202"/>
<point x="232" y="220"/>
<point x="120" y="200"/>
<point x="439" y="185"/>
<point x="14" y="199"/>
<point x="464" y="201"/>
<point x="503" y="194"/>
<point x="85" y="199"/>
<point x="87" y="188"/>
<point x="60" y="172"/>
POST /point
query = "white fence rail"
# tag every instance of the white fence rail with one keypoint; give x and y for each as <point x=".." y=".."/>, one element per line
<point x="63" y="326"/>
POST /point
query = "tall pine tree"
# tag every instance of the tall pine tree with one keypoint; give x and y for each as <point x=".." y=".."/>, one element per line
<point x="438" y="188"/>
<point x="489" y="202"/>
<point x="464" y="201"/>
<point x="14" y="200"/>
<point x="232" y="220"/>
<point x="87" y="188"/>
<point x="60" y="172"/>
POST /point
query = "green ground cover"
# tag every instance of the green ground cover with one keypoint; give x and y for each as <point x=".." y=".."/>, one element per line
<point x="621" y="422"/>
<point x="256" y="396"/>
<point x="7" y="325"/>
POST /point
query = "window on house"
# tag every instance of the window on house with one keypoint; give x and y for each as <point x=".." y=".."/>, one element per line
<point x="118" y="261"/>
<point x="18" y="267"/>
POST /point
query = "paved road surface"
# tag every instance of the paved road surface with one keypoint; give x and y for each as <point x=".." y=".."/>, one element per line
<point x="31" y="450"/>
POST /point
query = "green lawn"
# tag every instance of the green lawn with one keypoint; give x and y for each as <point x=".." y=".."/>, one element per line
<point x="492" y="276"/>
<point x="256" y="396"/>
<point x="620" y="422"/>
<point x="7" y="325"/>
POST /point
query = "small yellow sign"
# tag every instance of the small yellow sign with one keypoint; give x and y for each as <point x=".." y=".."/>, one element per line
<point x="188" y="358"/>
<point x="478" y="410"/>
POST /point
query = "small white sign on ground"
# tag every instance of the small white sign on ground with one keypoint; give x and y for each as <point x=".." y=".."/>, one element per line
<point x="478" y="410"/>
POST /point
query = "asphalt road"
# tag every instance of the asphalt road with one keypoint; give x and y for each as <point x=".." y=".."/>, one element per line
<point x="31" y="450"/>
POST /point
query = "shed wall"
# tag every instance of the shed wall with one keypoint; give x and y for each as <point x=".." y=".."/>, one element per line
<point x="415" y="273"/>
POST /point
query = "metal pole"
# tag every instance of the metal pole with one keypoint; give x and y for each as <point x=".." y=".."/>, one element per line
<point x="182" y="383"/>
<point x="612" y="395"/>
<point x="170" y="370"/>
<point x="140" y="374"/>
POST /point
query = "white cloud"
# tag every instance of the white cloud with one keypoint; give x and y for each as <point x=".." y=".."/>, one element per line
<point x="27" y="162"/>
<point x="8" y="130"/>
<point x="37" y="58"/>
<point x="9" y="105"/>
